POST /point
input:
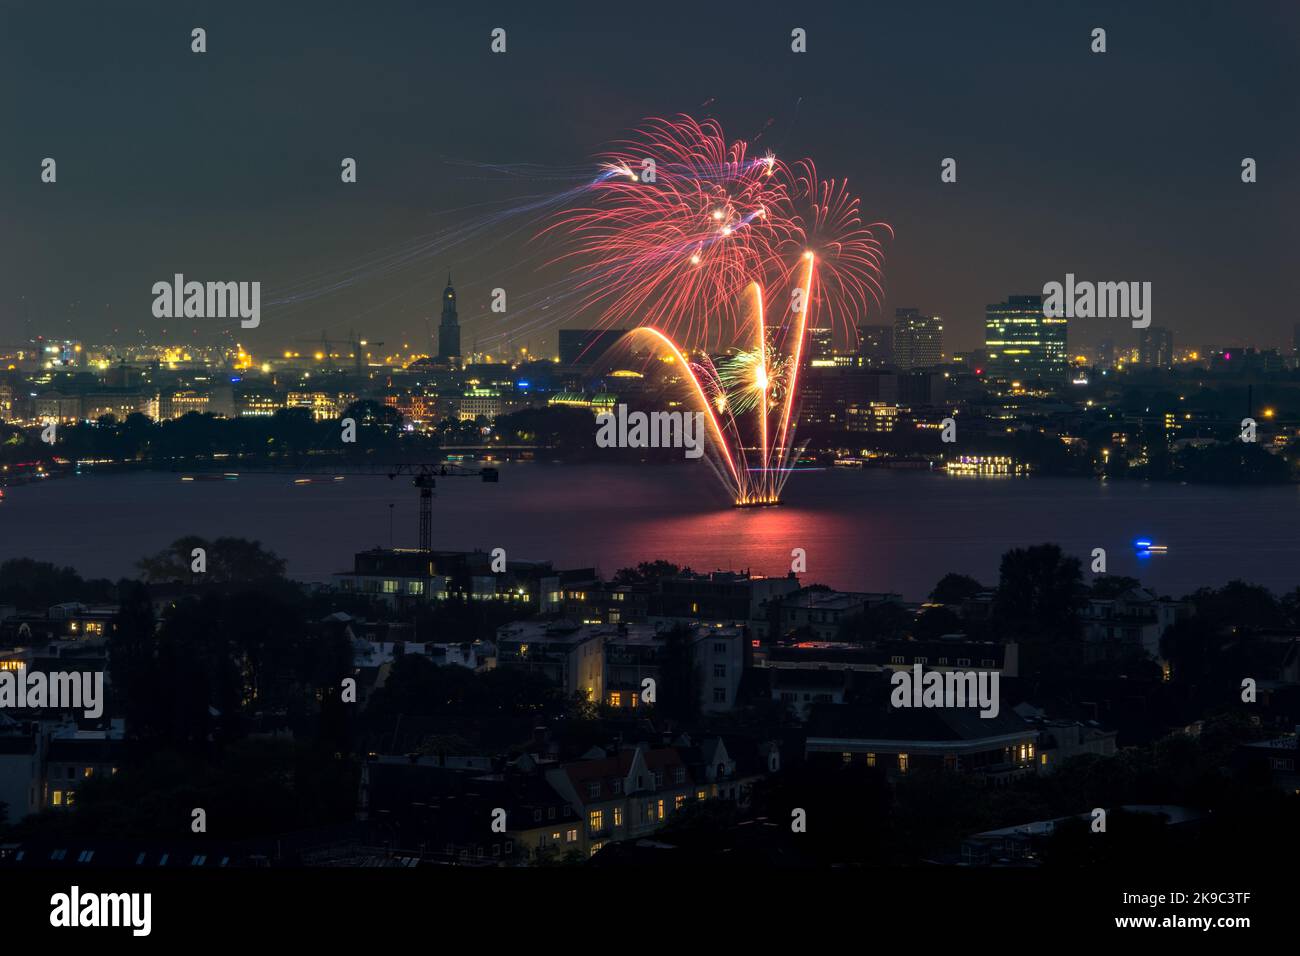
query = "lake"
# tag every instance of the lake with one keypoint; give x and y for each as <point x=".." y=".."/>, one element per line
<point x="862" y="529"/>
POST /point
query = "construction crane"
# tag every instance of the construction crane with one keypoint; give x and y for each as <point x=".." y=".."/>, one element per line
<point x="424" y="477"/>
<point x="353" y="341"/>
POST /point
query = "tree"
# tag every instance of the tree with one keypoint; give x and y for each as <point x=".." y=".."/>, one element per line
<point x="1039" y="594"/>
<point x="228" y="560"/>
<point x="935" y="622"/>
<point x="33" y="585"/>
<point x="647" y="571"/>
<point x="954" y="589"/>
<point x="1113" y="585"/>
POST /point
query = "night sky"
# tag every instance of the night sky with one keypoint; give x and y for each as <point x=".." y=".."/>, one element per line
<point x="225" y="165"/>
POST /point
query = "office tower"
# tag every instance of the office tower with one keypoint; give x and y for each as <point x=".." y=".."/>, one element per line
<point x="876" y="345"/>
<point x="1106" y="354"/>
<point x="821" y="347"/>
<point x="1024" y="343"/>
<point x="1155" y="347"/>
<point x="585" y="346"/>
<point x="449" y="327"/>
<point x="918" y="339"/>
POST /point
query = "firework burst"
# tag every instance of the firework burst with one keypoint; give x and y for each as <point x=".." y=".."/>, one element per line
<point x="693" y="239"/>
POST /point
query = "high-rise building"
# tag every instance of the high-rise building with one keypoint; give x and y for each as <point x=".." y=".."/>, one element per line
<point x="1024" y="343"/>
<point x="449" y="327"/>
<point x="1155" y="347"/>
<point x="876" y="345"/>
<point x="918" y="339"/>
<point x="1106" y="353"/>
<point x="585" y="346"/>
<point x="821" y="347"/>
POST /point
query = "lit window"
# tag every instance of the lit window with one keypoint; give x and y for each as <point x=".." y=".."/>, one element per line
<point x="701" y="795"/>
<point x="596" y="820"/>
<point x="571" y="836"/>
<point x="58" y="798"/>
<point x="616" y="699"/>
<point x="902" y="763"/>
<point x="661" y="810"/>
<point x="595" y="848"/>
<point x="88" y="772"/>
<point x="871" y="760"/>
<point x="618" y="816"/>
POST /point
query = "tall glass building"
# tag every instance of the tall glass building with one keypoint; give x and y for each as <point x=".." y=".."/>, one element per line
<point x="918" y="339"/>
<point x="1022" y="342"/>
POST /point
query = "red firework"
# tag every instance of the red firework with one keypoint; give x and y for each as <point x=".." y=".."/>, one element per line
<point x="828" y="223"/>
<point x="680" y="221"/>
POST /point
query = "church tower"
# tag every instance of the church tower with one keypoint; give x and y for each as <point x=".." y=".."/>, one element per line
<point x="449" y="327"/>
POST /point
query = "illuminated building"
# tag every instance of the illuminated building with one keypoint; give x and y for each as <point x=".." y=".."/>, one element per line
<point x="918" y="339"/>
<point x="22" y="759"/>
<point x="827" y="392"/>
<point x="876" y="345"/>
<point x="76" y="757"/>
<point x="872" y="417"/>
<point x="1106" y="354"/>
<point x="324" y="406"/>
<point x="449" y="326"/>
<point x="1022" y="342"/>
<point x="599" y="403"/>
<point x="258" y="404"/>
<point x="820" y="349"/>
<point x="572" y="656"/>
<point x="985" y="465"/>
<point x="181" y="402"/>
<point x="58" y="408"/>
<point x="636" y="652"/>
<point x="401" y="576"/>
<point x="478" y="403"/>
<point x="998" y="749"/>
<point x="720" y="597"/>
<point x="1155" y="347"/>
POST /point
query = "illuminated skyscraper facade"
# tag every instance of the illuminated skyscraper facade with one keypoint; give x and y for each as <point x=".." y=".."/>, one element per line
<point x="1022" y="342"/>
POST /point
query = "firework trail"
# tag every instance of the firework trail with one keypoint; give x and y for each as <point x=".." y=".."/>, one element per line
<point x="691" y="239"/>
<point x="696" y="242"/>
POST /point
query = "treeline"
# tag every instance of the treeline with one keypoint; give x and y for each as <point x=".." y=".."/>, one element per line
<point x="293" y="434"/>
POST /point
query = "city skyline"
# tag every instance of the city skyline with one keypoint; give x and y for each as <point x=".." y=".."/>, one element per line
<point x="271" y="208"/>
